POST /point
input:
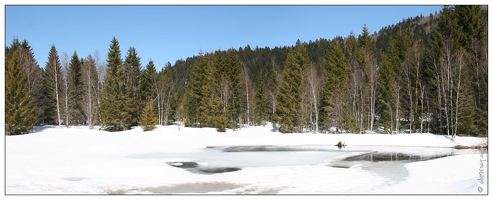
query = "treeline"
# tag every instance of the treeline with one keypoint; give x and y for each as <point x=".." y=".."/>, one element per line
<point x="424" y="74"/>
<point x="84" y="91"/>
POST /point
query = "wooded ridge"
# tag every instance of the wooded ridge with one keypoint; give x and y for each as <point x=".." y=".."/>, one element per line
<point x="424" y="74"/>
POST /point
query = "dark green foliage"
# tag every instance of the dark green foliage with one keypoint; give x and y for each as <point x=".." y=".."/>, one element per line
<point x="19" y="109"/>
<point x="131" y="75"/>
<point x="53" y="87"/>
<point x="457" y="58"/>
<point x="333" y="100"/>
<point x="34" y="73"/>
<point x="148" y="80"/>
<point x="231" y="73"/>
<point x="288" y="107"/>
<point x="389" y="86"/>
<point x="114" y="110"/>
<point x="75" y="90"/>
<point x="194" y="94"/>
<point x="472" y="22"/>
<point x="424" y="73"/>
<point x="148" y="121"/>
<point x="205" y="97"/>
<point x="261" y="101"/>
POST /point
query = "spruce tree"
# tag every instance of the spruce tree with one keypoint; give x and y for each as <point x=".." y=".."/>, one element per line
<point x="217" y="112"/>
<point x="34" y="73"/>
<point x="389" y="87"/>
<point x="149" y="119"/>
<point x="19" y="109"/>
<point x="210" y="101"/>
<point x="75" y="90"/>
<point x="353" y="54"/>
<point x="232" y="72"/>
<point x="473" y="23"/>
<point x="288" y="106"/>
<point x="147" y="83"/>
<point x="53" y="87"/>
<point x="111" y="110"/>
<point x="131" y="75"/>
<point x="193" y="94"/>
<point x="204" y="106"/>
<point x="333" y="99"/>
<point x="261" y="102"/>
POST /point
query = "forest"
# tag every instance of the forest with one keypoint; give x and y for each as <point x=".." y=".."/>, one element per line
<point x="423" y="74"/>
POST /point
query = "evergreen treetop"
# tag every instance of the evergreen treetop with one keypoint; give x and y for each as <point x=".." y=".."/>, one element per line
<point x="19" y="110"/>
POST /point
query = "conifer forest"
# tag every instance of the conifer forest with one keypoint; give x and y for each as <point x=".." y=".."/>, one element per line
<point x="425" y="74"/>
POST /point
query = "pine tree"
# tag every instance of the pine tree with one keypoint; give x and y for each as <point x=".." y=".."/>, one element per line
<point x="204" y="106"/>
<point x="112" y="108"/>
<point x="273" y="87"/>
<point x="194" y="93"/>
<point x="210" y="101"/>
<point x="165" y="94"/>
<point x="368" y="63"/>
<point x="89" y="86"/>
<point x="473" y="23"/>
<point x="389" y="87"/>
<point x="131" y="75"/>
<point x="75" y="91"/>
<point x="455" y="64"/>
<point x="19" y="109"/>
<point x="147" y="83"/>
<point x="355" y="85"/>
<point x="333" y="103"/>
<point x="53" y="86"/>
<point x="232" y="73"/>
<point x="149" y="119"/>
<point x="288" y="106"/>
<point x="261" y="102"/>
<point x="217" y="117"/>
<point x="34" y="73"/>
<point x="245" y="99"/>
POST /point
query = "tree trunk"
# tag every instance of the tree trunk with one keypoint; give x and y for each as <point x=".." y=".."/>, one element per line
<point x="247" y="97"/>
<point x="422" y="109"/>
<point x="397" y="120"/>
<point x="372" y="98"/>
<point x="160" y="118"/>
<point x="57" y="97"/>
<point x="89" y="95"/>
<point x="168" y="107"/>
<point x="457" y="96"/>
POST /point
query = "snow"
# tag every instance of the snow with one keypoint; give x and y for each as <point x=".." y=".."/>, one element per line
<point x="79" y="160"/>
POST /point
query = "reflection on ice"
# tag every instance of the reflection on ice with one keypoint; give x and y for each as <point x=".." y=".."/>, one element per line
<point x="385" y="161"/>
<point x="254" y="156"/>
<point x="393" y="156"/>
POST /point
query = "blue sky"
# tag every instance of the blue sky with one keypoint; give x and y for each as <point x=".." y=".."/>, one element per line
<point x="169" y="33"/>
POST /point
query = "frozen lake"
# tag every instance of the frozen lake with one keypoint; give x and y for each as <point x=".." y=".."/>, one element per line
<point x="255" y="160"/>
<point x="384" y="161"/>
<point x="252" y="156"/>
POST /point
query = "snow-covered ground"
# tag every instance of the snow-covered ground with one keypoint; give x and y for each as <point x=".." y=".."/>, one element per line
<point x="78" y="160"/>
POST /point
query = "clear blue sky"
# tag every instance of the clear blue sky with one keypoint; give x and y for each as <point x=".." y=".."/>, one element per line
<point x="169" y="33"/>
